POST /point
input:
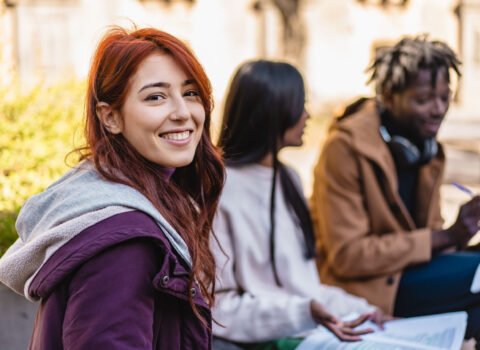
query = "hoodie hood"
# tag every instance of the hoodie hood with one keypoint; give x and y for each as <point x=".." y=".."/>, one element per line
<point x="78" y="200"/>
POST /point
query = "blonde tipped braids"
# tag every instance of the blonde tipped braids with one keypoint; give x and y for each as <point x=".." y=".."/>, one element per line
<point x="395" y="66"/>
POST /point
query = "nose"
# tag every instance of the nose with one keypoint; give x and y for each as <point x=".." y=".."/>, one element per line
<point x="305" y="115"/>
<point x="180" y="109"/>
<point x="440" y="107"/>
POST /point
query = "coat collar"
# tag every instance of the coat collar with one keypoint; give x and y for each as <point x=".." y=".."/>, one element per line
<point x="363" y="130"/>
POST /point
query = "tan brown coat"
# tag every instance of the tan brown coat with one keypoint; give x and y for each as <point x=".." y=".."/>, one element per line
<point x="365" y="234"/>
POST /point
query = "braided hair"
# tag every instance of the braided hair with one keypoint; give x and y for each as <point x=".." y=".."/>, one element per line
<point x="394" y="67"/>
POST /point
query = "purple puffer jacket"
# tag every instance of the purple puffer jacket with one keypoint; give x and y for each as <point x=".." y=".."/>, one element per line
<point x="118" y="285"/>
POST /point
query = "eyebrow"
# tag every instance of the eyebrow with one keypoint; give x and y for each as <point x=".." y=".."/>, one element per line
<point x="165" y="85"/>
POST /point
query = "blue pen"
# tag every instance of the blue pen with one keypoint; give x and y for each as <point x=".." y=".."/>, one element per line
<point x="463" y="189"/>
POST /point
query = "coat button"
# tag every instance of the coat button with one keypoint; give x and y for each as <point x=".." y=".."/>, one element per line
<point x="165" y="280"/>
<point x="390" y="280"/>
<point x="193" y="292"/>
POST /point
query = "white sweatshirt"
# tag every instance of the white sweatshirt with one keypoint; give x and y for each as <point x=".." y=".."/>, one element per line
<point x="249" y="304"/>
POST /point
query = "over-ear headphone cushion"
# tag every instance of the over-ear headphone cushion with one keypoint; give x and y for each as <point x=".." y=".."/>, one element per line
<point x="430" y="150"/>
<point x="405" y="153"/>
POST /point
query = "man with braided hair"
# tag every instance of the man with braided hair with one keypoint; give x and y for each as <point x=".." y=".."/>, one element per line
<point x="376" y="200"/>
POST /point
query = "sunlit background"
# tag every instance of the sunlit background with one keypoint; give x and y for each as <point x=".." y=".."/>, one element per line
<point x="46" y="45"/>
<point x="332" y="41"/>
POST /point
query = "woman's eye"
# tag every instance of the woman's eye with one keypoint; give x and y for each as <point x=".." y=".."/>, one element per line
<point x="190" y="93"/>
<point x="155" y="97"/>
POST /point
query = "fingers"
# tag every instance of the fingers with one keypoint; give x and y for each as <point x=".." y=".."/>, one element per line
<point x="467" y="223"/>
<point x="341" y="335"/>
<point x="472" y="207"/>
<point x="353" y="332"/>
<point x="379" y="318"/>
<point x="345" y="333"/>
<point x="348" y="338"/>
<point x="358" y="321"/>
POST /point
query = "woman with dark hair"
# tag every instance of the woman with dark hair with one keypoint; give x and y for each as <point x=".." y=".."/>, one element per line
<point x="268" y="286"/>
<point x="117" y="250"/>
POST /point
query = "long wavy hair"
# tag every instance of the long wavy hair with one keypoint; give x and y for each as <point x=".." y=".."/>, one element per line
<point x="188" y="200"/>
<point x="264" y="100"/>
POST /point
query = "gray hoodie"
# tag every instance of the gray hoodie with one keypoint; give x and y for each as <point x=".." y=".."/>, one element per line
<point x="50" y="219"/>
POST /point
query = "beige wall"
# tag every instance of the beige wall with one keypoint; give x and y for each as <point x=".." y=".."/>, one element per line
<point x="343" y="33"/>
<point x="56" y="38"/>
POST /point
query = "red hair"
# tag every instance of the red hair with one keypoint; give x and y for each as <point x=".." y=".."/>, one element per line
<point x="189" y="199"/>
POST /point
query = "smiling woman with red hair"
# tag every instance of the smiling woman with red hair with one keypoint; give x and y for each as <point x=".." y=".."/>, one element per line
<point x="117" y="249"/>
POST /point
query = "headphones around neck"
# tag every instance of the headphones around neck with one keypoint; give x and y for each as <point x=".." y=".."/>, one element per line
<point x="405" y="153"/>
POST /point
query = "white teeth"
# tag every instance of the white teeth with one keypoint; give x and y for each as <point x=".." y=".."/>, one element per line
<point x="176" y="136"/>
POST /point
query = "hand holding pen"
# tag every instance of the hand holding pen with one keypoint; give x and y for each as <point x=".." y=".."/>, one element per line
<point x="467" y="222"/>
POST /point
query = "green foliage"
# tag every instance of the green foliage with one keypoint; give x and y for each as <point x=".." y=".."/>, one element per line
<point x="37" y="130"/>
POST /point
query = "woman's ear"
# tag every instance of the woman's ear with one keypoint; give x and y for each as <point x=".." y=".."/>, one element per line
<point x="109" y="117"/>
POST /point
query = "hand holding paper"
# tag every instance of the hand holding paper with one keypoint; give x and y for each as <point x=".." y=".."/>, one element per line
<point x="440" y="332"/>
<point x="343" y="330"/>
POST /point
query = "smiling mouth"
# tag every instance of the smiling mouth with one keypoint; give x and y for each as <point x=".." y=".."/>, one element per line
<point x="432" y="123"/>
<point x="176" y="136"/>
<point x="431" y="128"/>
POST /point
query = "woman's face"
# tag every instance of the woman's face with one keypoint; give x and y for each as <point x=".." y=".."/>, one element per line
<point x="162" y="116"/>
<point x="294" y="136"/>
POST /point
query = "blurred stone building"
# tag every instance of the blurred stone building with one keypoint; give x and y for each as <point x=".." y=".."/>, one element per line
<point x="331" y="41"/>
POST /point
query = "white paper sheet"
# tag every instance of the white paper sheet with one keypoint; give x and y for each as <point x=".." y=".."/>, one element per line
<point x="475" y="287"/>
<point x="443" y="331"/>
